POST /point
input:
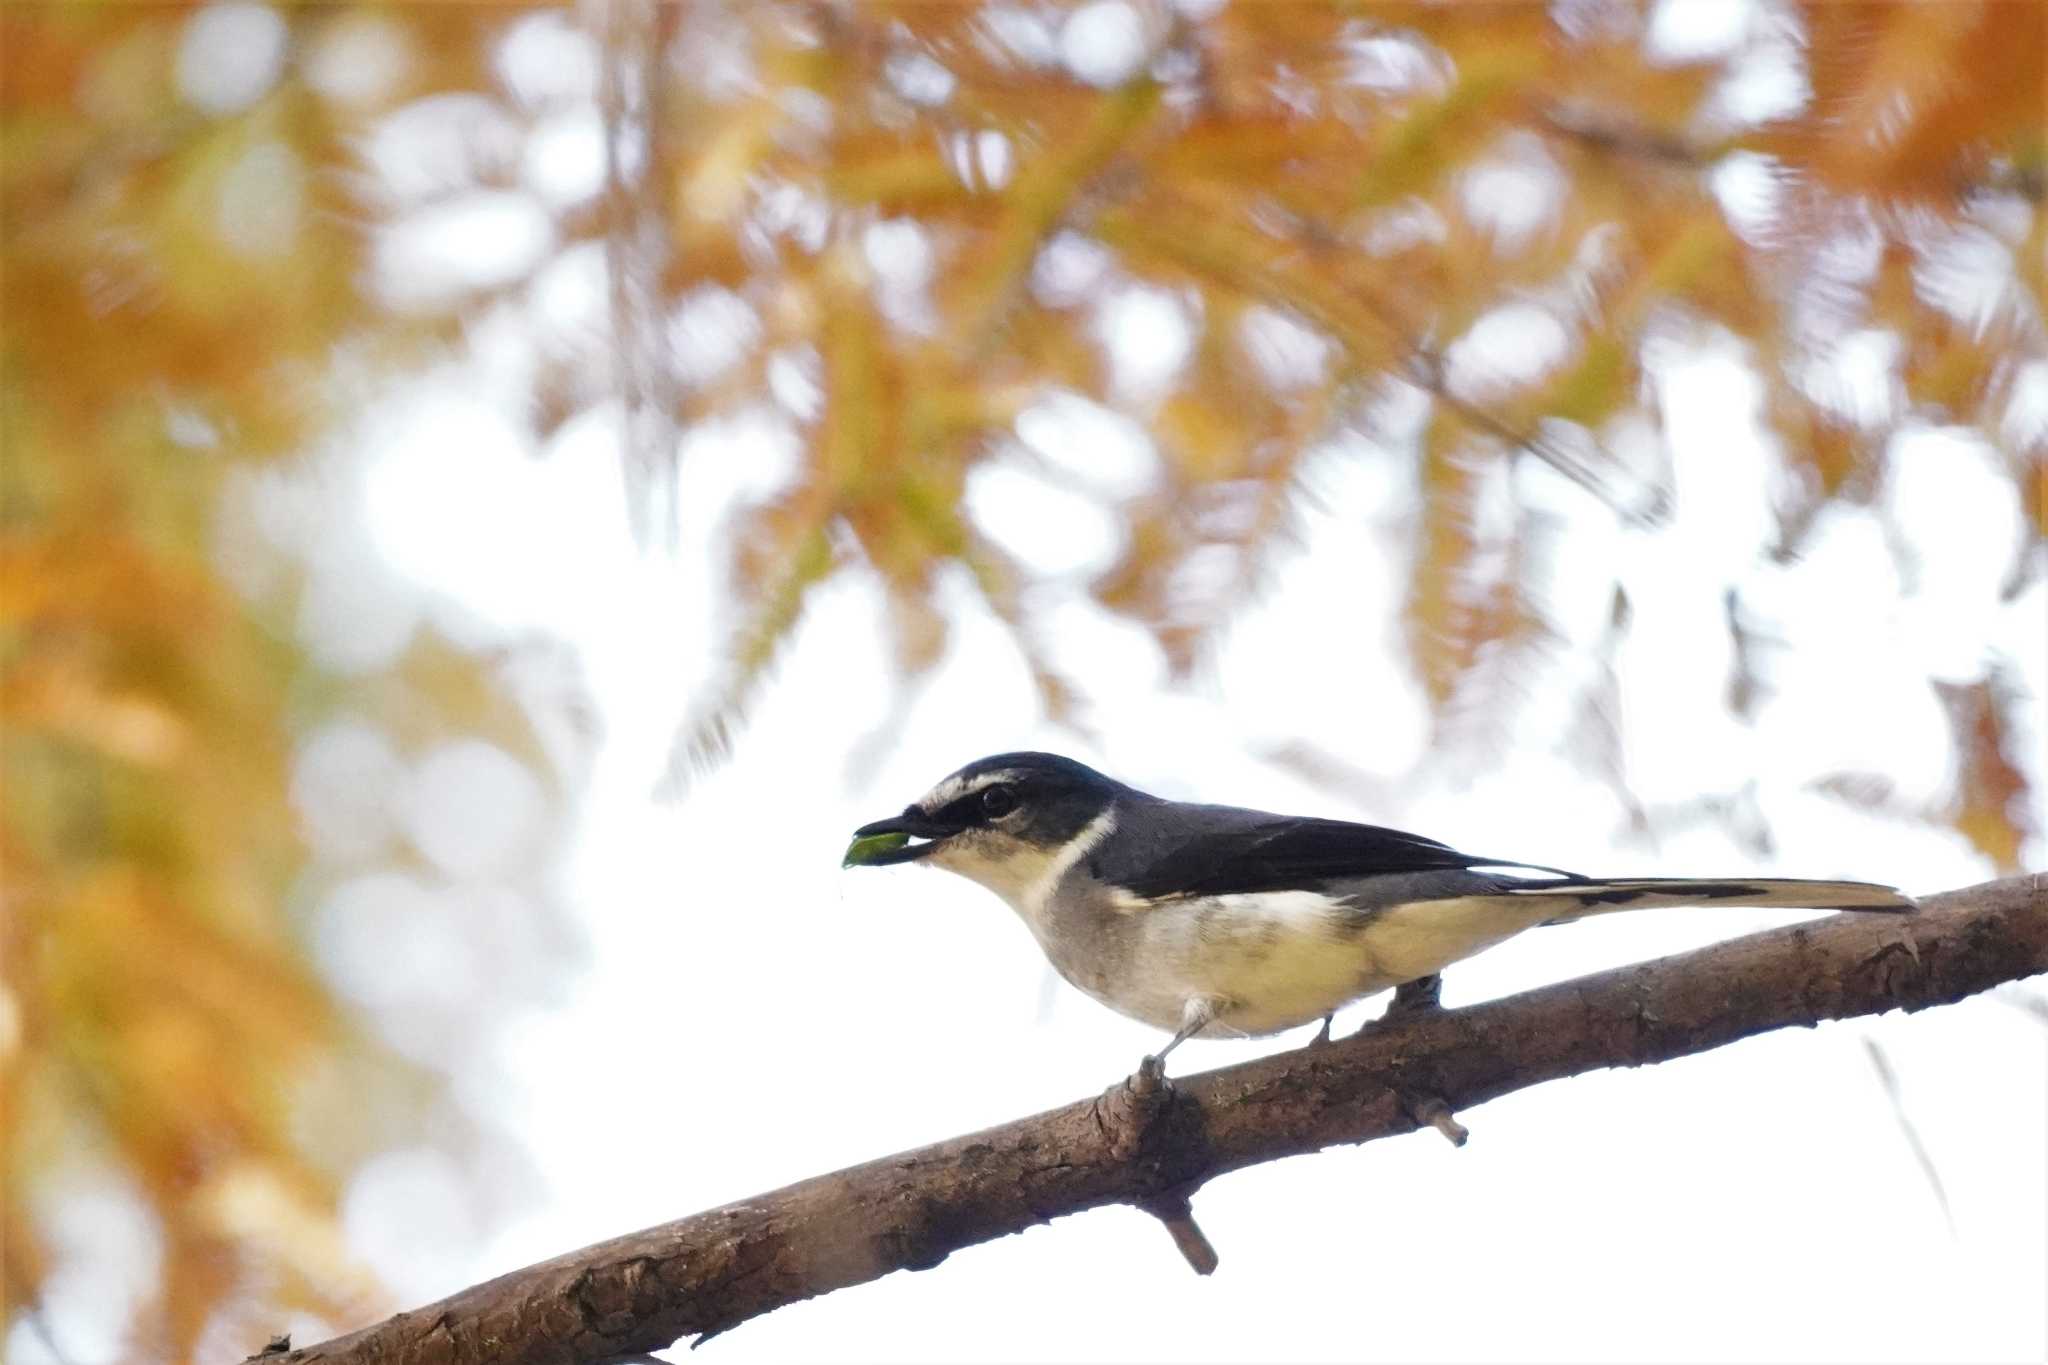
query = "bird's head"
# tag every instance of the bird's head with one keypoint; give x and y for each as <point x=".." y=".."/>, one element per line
<point x="1004" y="821"/>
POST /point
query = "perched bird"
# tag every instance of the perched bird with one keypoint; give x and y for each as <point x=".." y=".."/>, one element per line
<point x="1215" y="919"/>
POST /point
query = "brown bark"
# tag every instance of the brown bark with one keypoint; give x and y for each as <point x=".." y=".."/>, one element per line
<point x="710" y="1272"/>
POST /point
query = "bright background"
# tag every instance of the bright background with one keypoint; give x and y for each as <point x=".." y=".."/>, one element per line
<point x="651" y="984"/>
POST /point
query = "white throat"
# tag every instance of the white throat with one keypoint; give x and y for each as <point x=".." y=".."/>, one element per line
<point x="1031" y="901"/>
<point x="1026" y="876"/>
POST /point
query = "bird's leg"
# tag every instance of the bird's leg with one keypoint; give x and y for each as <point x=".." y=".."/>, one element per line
<point x="1195" y="1015"/>
<point x="1410" y="998"/>
<point x="1323" y="1034"/>
<point x="1417" y="996"/>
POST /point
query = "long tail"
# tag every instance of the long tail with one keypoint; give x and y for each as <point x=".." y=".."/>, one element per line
<point x="1583" y="896"/>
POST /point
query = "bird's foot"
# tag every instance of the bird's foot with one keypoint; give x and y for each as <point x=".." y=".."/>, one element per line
<point x="1322" y="1038"/>
<point x="1150" y="1077"/>
<point x="1412" y="999"/>
<point x="1420" y="996"/>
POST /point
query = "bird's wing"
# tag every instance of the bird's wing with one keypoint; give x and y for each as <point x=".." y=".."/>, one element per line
<point x="1221" y="850"/>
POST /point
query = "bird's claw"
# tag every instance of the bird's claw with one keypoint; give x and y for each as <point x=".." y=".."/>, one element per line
<point x="1419" y="996"/>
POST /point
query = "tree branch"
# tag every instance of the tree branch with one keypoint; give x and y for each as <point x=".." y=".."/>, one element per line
<point x="708" y="1273"/>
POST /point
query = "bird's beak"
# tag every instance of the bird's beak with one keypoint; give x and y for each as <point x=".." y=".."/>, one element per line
<point x="889" y="841"/>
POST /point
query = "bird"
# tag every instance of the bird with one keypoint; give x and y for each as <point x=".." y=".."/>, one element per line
<point x="1220" y="920"/>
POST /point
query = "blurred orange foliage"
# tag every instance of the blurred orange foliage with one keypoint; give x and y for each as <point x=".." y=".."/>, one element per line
<point x="1319" y="159"/>
<point x="159" y="1015"/>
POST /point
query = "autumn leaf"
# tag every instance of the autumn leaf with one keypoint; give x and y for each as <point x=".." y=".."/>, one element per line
<point x="1990" y="806"/>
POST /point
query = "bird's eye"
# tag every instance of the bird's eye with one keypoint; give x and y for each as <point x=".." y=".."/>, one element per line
<point x="997" y="801"/>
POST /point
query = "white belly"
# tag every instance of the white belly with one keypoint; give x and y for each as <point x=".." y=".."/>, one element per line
<point x="1277" y="960"/>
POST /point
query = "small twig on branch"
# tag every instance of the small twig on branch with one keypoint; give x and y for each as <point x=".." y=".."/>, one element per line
<point x="1174" y="1211"/>
<point x="708" y="1273"/>
<point x="1437" y="1115"/>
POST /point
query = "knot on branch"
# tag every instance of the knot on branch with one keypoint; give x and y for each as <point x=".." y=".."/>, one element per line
<point x="1159" y="1129"/>
<point x="1899" y="969"/>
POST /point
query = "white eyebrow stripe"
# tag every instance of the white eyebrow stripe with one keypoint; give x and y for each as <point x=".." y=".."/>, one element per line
<point x="953" y="788"/>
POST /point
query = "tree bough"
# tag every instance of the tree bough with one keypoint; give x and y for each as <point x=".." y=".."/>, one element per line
<point x="705" y="1274"/>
